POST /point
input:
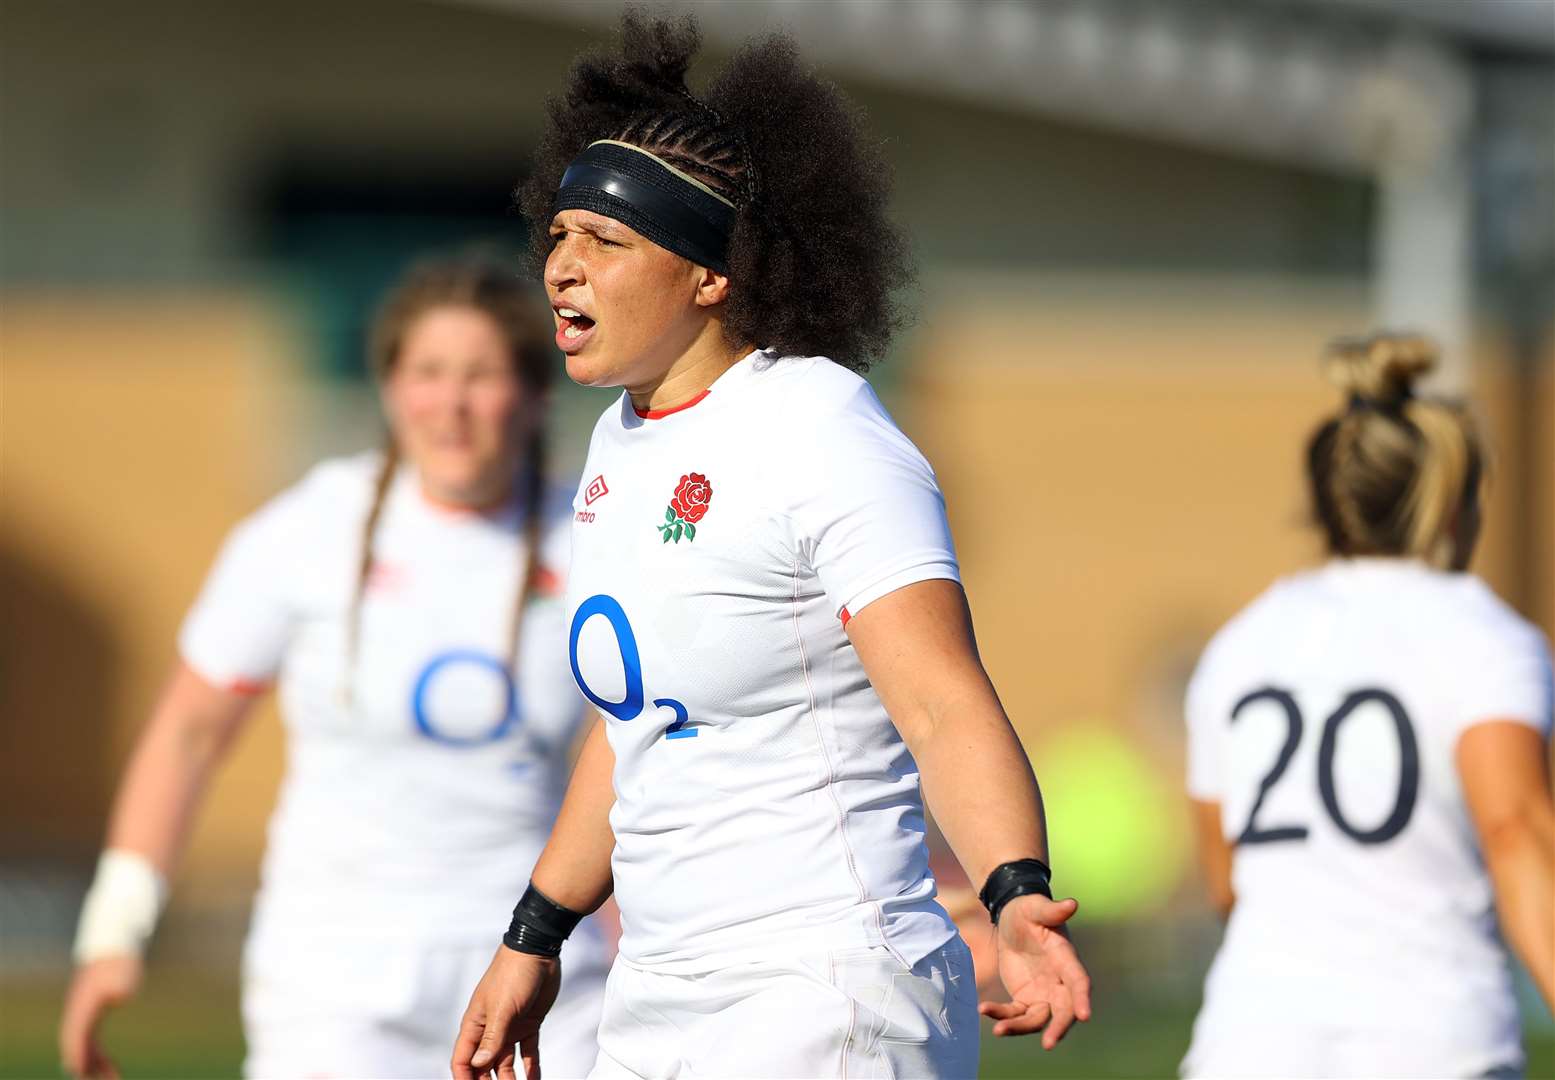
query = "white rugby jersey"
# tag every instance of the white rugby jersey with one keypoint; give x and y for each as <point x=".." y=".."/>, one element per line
<point x="764" y="800"/>
<point x="419" y="795"/>
<point x="1323" y="719"/>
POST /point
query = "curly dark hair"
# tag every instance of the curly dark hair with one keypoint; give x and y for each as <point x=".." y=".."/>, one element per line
<point x="815" y="264"/>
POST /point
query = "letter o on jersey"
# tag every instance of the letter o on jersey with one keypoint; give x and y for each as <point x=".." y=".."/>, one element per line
<point x="440" y="664"/>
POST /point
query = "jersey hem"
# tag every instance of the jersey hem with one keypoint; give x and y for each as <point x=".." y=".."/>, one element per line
<point x="246" y="684"/>
<point x="780" y="947"/>
<point x="864" y="595"/>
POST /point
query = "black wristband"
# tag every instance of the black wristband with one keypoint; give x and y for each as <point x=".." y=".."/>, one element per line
<point x="1009" y="880"/>
<point x="540" y="924"/>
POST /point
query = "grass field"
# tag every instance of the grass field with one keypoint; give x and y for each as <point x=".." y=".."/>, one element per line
<point x="185" y="1026"/>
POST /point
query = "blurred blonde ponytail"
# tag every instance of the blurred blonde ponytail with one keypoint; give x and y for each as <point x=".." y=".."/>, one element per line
<point x="1394" y="474"/>
<point x="1446" y="485"/>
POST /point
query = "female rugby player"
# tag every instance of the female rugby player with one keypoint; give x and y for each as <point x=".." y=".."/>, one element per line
<point x="1367" y="760"/>
<point x="765" y="608"/>
<point x="407" y="604"/>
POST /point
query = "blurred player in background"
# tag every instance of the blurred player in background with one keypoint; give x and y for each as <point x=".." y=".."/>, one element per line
<point x="766" y="608"/>
<point x="1368" y="764"/>
<point x="407" y="604"/>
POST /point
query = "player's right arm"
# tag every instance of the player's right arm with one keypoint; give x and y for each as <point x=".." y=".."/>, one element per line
<point x="1214" y="852"/>
<point x="231" y="645"/>
<point x="190" y="731"/>
<point x="1202" y="710"/>
<point x="1504" y="769"/>
<point x="518" y="989"/>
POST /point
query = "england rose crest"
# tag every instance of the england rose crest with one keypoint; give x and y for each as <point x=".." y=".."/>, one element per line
<point x="687" y="507"/>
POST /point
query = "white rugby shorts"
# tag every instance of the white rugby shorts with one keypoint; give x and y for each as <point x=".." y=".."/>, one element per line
<point x="337" y="1007"/>
<point x="854" y="1013"/>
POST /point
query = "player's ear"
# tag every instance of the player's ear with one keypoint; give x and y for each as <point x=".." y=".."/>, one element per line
<point x="712" y="287"/>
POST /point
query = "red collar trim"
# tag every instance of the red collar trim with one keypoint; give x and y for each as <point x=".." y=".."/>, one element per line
<point x="660" y="414"/>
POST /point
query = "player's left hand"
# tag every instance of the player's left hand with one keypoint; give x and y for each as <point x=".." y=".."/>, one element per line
<point x="500" y="1032"/>
<point x="1049" y="989"/>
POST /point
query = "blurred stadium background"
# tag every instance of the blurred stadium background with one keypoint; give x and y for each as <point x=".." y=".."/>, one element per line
<point x="1152" y="214"/>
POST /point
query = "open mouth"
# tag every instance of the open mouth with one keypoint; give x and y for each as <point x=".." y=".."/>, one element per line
<point x="573" y="325"/>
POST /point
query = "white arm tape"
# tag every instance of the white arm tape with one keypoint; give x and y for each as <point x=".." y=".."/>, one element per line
<point x="121" y="908"/>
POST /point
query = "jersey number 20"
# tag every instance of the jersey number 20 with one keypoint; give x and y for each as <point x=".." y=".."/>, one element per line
<point x="1408" y="768"/>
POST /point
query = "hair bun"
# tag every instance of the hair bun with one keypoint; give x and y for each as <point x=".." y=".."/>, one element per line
<point x="658" y="52"/>
<point x="1380" y="368"/>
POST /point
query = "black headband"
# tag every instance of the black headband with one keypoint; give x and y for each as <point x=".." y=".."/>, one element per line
<point x="634" y="187"/>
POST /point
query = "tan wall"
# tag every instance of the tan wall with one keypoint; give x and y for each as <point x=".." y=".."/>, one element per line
<point x="137" y="431"/>
<point x="1118" y="487"/>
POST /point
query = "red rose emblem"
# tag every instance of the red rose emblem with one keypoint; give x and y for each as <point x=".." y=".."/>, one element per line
<point x="691" y="497"/>
<point x="687" y="507"/>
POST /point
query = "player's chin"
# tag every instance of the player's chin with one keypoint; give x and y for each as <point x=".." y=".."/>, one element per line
<point x="591" y="366"/>
<point x="459" y="476"/>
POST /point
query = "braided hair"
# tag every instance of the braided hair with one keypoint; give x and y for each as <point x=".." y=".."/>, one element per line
<point x="815" y="264"/>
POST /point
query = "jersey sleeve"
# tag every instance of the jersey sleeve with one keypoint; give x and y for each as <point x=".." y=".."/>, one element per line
<point x="1506" y="675"/>
<point x="236" y="633"/>
<point x="869" y="510"/>
<point x="1203" y="710"/>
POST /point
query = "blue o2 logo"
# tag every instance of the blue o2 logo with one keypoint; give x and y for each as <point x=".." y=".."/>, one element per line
<point x="678" y="729"/>
<point x="462" y="664"/>
<point x="630" y="706"/>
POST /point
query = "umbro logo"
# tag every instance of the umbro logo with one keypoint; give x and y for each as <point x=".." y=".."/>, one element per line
<point x="595" y="490"/>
